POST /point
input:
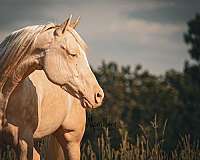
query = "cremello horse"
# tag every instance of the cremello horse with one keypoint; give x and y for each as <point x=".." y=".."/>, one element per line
<point x="46" y="84"/>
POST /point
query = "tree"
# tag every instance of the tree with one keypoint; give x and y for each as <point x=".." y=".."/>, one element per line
<point x="192" y="37"/>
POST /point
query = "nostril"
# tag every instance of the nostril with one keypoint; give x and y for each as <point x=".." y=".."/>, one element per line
<point x="99" y="95"/>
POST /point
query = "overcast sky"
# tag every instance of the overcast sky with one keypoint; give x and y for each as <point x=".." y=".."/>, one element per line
<point x="129" y="32"/>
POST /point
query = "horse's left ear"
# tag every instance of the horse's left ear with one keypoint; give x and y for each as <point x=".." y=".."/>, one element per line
<point x="74" y="24"/>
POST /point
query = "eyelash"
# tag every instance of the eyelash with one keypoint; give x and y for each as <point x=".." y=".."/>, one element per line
<point x="73" y="55"/>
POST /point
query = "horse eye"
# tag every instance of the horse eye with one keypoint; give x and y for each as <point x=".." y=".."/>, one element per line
<point x="73" y="55"/>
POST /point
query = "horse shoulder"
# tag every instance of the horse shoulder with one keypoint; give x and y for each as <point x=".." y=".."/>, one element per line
<point x="53" y="106"/>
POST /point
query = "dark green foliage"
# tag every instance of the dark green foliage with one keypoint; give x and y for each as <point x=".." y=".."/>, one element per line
<point x="133" y="97"/>
<point x="148" y="146"/>
<point x="192" y="37"/>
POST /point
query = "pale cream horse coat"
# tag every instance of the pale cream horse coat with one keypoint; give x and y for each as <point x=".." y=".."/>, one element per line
<point x="50" y="110"/>
<point x="40" y="66"/>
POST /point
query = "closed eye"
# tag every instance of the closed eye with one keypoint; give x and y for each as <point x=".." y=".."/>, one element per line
<point x="70" y="52"/>
<point x="73" y="55"/>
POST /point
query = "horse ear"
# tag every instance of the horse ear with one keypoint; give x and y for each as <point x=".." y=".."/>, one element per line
<point x="74" y="24"/>
<point x="66" y="24"/>
<point x="62" y="28"/>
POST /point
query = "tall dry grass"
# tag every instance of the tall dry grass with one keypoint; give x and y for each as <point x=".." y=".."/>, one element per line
<point x="145" y="148"/>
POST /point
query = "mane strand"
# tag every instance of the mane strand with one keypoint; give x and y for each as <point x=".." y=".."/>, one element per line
<point x="14" y="48"/>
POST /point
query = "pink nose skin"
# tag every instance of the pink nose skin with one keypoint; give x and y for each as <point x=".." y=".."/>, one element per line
<point x="99" y="97"/>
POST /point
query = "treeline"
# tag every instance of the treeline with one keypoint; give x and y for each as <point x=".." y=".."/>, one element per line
<point x="134" y="97"/>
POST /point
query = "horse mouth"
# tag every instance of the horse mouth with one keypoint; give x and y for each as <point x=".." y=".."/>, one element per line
<point x="84" y="101"/>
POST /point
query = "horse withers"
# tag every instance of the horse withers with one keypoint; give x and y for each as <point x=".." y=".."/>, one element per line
<point x="45" y="85"/>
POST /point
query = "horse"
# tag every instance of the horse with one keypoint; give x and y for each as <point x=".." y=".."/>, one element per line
<point x="46" y="84"/>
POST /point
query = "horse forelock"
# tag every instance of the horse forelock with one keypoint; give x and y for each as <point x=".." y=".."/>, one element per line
<point x="70" y="28"/>
<point x="14" y="48"/>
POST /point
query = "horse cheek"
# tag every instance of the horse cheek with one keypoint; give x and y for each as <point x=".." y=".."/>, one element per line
<point x="52" y="68"/>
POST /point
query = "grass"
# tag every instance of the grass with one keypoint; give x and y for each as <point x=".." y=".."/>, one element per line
<point x="146" y="147"/>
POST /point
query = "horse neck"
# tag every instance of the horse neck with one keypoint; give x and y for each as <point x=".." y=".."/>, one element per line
<point x="24" y="69"/>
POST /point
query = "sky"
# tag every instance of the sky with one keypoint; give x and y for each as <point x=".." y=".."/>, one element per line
<point x="129" y="32"/>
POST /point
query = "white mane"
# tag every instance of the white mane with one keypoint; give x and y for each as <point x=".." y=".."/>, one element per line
<point x="14" y="48"/>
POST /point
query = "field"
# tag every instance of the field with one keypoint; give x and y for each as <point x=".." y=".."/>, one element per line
<point x="145" y="148"/>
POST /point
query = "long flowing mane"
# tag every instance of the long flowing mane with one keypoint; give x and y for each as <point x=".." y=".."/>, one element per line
<point x="14" y="48"/>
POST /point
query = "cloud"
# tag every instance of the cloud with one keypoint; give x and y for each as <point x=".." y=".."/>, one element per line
<point x="177" y="11"/>
<point x="148" y="5"/>
<point x="145" y="30"/>
<point x="126" y="31"/>
<point x="155" y="45"/>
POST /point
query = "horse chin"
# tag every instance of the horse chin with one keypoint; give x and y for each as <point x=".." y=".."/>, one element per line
<point x="87" y="104"/>
<point x="84" y="102"/>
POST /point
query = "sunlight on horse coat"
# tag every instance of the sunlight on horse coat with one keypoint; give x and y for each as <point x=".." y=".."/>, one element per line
<point x="33" y="103"/>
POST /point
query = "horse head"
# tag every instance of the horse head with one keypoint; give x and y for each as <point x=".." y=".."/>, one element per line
<point x="65" y="63"/>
